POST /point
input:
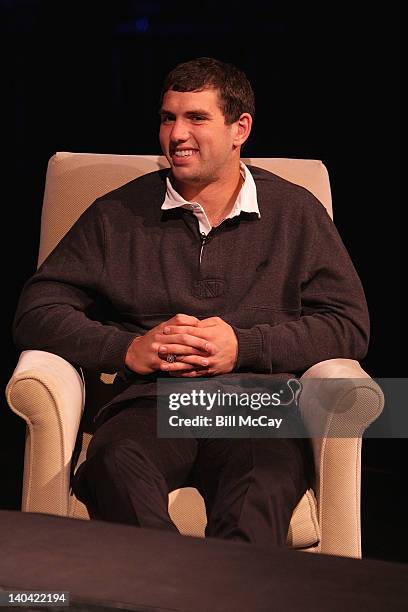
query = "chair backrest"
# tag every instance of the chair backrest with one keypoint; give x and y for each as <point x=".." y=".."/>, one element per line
<point x="75" y="180"/>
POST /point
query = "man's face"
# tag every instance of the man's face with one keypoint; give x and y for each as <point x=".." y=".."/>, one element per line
<point x="198" y="144"/>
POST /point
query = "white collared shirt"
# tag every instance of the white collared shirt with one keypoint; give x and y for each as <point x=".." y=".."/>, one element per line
<point x="246" y="201"/>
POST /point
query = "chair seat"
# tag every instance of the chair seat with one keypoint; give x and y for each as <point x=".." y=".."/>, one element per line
<point x="187" y="511"/>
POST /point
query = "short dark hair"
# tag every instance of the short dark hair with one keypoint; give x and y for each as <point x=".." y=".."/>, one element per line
<point x="235" y="91"/>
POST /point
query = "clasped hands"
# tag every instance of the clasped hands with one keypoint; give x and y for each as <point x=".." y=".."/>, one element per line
<point x="202" y="348"/>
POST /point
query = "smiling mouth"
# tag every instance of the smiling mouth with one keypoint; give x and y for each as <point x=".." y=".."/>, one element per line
<point x="182" y="153"/>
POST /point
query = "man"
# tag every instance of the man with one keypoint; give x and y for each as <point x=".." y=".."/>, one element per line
<point x="263" y="287"/>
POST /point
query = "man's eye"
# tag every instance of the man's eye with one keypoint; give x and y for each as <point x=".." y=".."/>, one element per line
<point x="165" y="119"/>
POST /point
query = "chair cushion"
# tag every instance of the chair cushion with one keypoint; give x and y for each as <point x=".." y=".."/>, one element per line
<point x="304" y="526"/>
<point x="187" y="511"/>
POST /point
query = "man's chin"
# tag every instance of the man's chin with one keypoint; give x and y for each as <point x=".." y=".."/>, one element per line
<point x="186" y="175"/>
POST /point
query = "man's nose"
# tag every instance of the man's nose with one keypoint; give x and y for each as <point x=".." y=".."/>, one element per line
<point x="179" y="132"/>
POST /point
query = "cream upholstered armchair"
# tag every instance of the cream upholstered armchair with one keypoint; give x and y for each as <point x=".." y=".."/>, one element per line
<point x="49" y="394"/>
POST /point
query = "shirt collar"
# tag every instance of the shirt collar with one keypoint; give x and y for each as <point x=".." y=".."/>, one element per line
<point x="246" y="201"/>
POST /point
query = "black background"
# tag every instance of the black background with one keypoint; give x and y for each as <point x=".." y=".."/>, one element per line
<point x="85" y="77"/>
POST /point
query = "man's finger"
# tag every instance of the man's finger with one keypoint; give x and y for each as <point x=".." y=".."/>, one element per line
<point x="186" y="340"/>
<point x="210" y="322"/>
<point x="179" y="329"/>
<point x="176" y="366"/>
<point x="182" y="319"/>
<point x="194" y="360"/>
<point x="195" y="373"/>
<point x="180" y="349"/>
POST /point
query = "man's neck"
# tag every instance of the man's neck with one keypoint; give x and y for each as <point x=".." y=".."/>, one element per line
<point x="217" y="198"/>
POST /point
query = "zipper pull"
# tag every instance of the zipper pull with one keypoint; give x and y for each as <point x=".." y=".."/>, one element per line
<point x="203" y="241"/>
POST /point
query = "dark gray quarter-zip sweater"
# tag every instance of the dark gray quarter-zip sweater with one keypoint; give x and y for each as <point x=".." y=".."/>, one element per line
<point x="284" y="282"/>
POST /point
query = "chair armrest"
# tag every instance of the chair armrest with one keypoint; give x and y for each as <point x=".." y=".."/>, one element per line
<point x="48" y="393"/>
<point x="336" y="368"/>
<point x="352" y="403"/>
<point x="339" y="399"/>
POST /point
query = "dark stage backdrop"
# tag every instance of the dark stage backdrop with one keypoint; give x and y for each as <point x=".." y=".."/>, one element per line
<point x="86" y="77"/>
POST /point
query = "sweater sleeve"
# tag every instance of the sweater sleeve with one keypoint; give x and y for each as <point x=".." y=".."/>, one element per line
<point x="334" y="321"/>
<point x="56" y="306"/>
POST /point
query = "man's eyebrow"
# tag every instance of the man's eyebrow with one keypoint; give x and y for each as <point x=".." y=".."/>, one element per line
<point x="192" y="113"/>
<point x="199" y="111"/>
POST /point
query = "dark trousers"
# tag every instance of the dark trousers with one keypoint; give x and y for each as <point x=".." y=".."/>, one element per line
<point x="250" y="486"/>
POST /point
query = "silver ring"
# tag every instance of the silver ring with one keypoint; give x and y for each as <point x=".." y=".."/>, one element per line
<point x="171" y="358"/>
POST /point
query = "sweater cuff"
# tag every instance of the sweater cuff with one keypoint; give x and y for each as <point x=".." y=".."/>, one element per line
<point x="113" y="355"/>
<point x="251" y="354"/>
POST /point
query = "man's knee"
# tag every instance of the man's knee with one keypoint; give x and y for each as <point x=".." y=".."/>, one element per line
<point x="120" y="459"/>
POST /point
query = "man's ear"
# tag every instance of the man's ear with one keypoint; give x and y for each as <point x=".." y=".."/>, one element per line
<point x="242" y="129"/>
